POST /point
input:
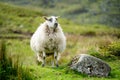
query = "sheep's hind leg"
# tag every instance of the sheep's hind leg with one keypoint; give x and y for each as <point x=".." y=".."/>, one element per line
<point x="43" y="62"/>
<point x="56" y="59"/>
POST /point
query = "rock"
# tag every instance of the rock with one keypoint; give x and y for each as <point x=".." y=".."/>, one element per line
<point x="90" y="65"/>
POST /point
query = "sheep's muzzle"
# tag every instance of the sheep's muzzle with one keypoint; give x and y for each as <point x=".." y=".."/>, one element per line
<point x="56" y="24"/>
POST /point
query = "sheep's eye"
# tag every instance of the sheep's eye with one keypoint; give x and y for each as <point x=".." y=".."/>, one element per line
<point x="50" y="20"/>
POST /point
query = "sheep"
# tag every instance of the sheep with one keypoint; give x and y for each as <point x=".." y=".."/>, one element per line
<point x="48" y="39"/>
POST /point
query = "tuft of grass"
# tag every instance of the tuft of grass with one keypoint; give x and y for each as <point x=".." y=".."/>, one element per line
<point x="11" y="69"/>
<point x="111" y="48"/>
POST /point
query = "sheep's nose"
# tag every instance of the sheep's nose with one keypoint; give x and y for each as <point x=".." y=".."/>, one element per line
<point x="56" y="24"/>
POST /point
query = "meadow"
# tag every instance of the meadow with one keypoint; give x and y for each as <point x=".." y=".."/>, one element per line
<point x="18" y="61"/>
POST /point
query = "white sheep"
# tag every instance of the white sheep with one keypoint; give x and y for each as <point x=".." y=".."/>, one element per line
<point x="48" y="39"/>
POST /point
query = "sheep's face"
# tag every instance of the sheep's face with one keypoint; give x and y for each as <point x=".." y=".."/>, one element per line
<point x="51" y="22"/>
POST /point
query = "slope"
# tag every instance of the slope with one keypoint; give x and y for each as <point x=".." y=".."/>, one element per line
<point x="81" y="11"/>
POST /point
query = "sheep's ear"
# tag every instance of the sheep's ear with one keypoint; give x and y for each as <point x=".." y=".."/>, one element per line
<point x="45" y="17"/>
<point x="57" y="17"/>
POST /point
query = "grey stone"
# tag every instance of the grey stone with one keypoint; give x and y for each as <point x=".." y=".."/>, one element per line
<point x="90" y="65"/>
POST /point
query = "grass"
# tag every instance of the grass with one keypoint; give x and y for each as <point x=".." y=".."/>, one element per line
<point x="83" y="44"/>
<point x="10" y="68"/>
<point x="21" y="19"/>
<point x="80" y="39"/>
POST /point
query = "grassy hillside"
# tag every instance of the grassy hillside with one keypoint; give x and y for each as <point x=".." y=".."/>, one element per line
<point x="16" y="26"/>
<point x="16" y="18"/>
<point x="81" y="11"/>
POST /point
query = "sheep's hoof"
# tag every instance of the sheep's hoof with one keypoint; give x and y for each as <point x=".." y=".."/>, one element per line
<point x="57" y="65"/>
<point x="43" y="65"/>
<point x="38" y="62"/>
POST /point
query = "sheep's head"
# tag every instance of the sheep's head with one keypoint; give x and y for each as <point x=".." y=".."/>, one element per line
<point x="51" y="21"/>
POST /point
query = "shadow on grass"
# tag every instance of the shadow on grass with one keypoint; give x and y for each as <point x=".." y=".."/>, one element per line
<point x="65" y="69"/>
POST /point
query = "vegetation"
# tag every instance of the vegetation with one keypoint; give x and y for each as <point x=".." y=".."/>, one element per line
<point x="16" y="26"/>
<point x="10" y="68"/>
<point x="80" y="11"/>
<point x="14" y="18"/>
<point x="113" y="48"/>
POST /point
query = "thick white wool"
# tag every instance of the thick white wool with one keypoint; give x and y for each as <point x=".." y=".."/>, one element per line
<point x="45" y="40"/>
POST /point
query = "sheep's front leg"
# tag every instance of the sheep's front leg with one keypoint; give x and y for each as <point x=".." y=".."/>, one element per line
<point x="56" y="58"/>
<point x="43" y="62"/>
<point x="39" y="58"/>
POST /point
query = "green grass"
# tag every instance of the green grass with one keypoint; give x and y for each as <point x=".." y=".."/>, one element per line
<point x="16" y="18"/>
<point x="10" y="67"/>
<point x="27" y="58"/>
<point x="63" y="74"/>
<point x="80" y="39"/>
